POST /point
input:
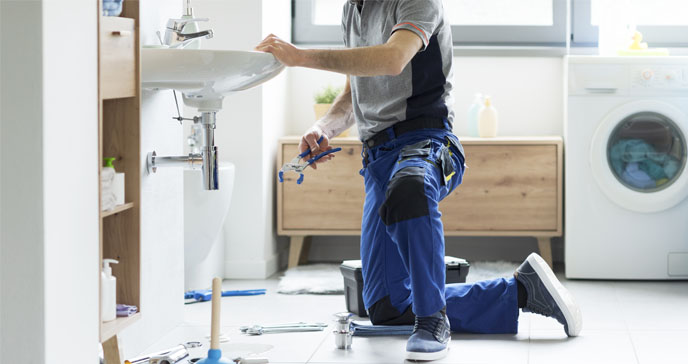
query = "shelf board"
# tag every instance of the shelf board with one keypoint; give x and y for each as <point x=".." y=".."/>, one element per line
<point x="117" y="209"/>
<point x="114" y="327"/>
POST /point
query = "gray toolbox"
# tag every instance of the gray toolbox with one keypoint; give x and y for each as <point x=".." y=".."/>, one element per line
<point x="457" y="270"/>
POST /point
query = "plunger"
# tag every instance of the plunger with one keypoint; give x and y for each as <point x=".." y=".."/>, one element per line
<point x="214" y="353"/>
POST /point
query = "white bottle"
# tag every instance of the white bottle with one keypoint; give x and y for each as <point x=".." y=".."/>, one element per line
<point x="487" y="120"/>
<point x="191" y="27"/>
<point x="108" y="292"/>
<point x="473" y="111"/>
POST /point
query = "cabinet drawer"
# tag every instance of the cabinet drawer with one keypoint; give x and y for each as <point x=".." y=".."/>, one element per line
<point x="330" y="198"/>
<point x="117" y="58"/>
<point x="505" y="188"/>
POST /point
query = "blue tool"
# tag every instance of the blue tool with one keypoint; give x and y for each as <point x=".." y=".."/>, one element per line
<point x="202" y="295"/>
<point x="295" y="166"/>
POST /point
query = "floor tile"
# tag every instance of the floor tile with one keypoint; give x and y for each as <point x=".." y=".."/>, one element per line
<point x="604" y="347"/>
<point x="661" y="347"/>
<point x="620" y="320"/>
<point x="655" y="316"/>
<point x="464" y="348"/>
<point x="284" y="348"/>
<point x="653" y="291"/>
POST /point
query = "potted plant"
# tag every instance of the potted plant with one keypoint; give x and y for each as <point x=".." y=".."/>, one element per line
<point x="324" y="100"/>
<point x="323" y="103"/>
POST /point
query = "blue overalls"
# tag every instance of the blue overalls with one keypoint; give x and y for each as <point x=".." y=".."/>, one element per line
<point x="402" y="239"/>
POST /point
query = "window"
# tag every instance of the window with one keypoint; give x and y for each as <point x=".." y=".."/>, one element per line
<point x="664" y="23"/>
<point x="474" y="22"/>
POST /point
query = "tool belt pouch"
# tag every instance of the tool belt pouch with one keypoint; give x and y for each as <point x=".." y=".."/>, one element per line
<point x="420" y="149"/>
<point x="445" y="162"/>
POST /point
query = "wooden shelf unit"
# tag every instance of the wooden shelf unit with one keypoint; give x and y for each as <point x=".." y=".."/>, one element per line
<point x="112" y="328"/>
<point x="117" y="210"/>
<point x="119" y="137"/>
<point x="512" y="187"/>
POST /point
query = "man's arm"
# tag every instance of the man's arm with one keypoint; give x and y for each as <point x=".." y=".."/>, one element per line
<point x="339" y="118"/>
<point x="388" y="59"/>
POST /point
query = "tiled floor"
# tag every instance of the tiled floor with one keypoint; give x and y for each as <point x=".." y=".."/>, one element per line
<point x="624" y="322"/>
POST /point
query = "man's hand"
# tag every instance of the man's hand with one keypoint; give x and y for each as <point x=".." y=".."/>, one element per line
<point x="310" y="140"/>
<point x="285" y="52"/>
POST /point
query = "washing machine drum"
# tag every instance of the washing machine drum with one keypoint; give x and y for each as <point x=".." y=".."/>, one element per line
<point x="638" y="156"/>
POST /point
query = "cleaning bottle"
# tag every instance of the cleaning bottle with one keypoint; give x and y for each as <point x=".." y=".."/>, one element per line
<point x="473" y="111"/>
<point x="108" y="292"/>
<point x="487" y="119"/>
<point x="191" y="27"/>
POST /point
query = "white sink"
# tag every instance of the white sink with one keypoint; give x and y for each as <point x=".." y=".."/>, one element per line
<point x="205" y="76"/>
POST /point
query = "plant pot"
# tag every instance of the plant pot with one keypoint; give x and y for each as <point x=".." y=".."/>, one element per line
<point x="321" y="110"/>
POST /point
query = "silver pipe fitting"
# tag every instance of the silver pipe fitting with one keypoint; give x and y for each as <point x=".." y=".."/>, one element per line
<point x="343" y="334"/>
<point x="207" y="159"/>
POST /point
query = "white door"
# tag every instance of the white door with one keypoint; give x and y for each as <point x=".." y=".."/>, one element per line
<point x="638" y="156"/>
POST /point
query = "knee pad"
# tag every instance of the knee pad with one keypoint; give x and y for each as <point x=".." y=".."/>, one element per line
<point x="405" y="197"/>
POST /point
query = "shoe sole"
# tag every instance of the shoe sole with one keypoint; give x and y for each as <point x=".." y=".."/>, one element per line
<point x="561" y="295"/>
<point x="437" y="355"/>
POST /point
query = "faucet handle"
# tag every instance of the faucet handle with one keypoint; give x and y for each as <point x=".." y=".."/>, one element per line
<point x="178" y="24"/>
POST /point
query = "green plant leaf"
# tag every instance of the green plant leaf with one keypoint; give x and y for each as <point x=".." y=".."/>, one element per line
<point x="327" y="95"/>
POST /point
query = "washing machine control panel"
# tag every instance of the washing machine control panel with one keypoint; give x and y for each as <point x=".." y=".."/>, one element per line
<point x="660" y="77"/>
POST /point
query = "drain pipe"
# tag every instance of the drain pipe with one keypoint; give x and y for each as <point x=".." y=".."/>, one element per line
<point x="206" y="159"/>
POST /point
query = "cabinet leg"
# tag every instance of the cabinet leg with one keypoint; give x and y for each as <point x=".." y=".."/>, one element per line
<point x="545" y="246"/>
<point x="298" y="250"/>
<point x="111" y="350"/>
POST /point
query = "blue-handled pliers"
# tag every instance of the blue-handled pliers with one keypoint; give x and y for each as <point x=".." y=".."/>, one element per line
<point x="202" y="295"/>
<point x="295" y="166"/>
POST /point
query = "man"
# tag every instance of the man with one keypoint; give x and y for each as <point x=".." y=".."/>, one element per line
<point x="398" y="63"/>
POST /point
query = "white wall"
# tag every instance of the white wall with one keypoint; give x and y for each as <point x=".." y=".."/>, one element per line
<point x="162" y="213"/>
<point x="49" y="218"/>
<point x="527" y="92"/>
<point x="246" y="134"/>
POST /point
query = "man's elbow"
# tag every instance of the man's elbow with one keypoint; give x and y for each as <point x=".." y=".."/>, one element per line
<point x="395" y="68"/>
<point x="396" y="62"/>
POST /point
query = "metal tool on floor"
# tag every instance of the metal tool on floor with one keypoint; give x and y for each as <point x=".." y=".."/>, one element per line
<point x="283" y="328"/>
<point x="203" y="295"/>
<point x="244" y="329"/>
<point x="343" y="335"/>
<point x="176" y="353"/>
<point x="298" y="167"/>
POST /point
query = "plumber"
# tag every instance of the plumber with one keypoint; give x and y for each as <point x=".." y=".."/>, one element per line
<point x="398" y="63"/>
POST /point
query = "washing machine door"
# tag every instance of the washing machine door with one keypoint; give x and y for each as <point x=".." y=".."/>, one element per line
<point x="638" y="156"/>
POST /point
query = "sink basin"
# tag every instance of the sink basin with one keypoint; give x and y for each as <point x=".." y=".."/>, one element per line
<point x="205" y="76"/>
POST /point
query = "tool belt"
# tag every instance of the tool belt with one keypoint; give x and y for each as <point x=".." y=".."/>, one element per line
<point x="403" y="127"/>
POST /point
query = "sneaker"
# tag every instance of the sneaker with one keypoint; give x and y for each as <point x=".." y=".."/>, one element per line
<point x="430" y="338"/>
<point x="547" y="296"/>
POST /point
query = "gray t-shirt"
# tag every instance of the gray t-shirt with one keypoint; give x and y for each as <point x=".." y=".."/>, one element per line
<point x="423" y="89"/>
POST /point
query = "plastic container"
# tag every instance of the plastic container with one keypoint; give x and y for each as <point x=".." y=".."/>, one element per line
<point x="457" y="270"/>
<point x="108" y="292"/>
<point x="487" y="120"/>
<point x="473" y="112"/>
<point x="112" y="7"/>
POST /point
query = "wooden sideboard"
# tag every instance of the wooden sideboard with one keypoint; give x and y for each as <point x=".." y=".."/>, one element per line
<point x="512" y="187"/>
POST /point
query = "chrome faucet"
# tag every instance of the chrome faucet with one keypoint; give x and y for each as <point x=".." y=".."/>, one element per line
<point x="174" y="38"/>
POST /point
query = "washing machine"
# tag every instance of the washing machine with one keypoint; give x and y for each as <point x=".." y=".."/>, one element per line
<point x="626" y="179"/>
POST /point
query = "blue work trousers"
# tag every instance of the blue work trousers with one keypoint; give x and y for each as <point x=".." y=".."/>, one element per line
<point x="402" y="240"/>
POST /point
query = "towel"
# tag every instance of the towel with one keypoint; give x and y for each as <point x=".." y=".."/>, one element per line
<point x="126" y="310"/>
<point x="108" y="200"/>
